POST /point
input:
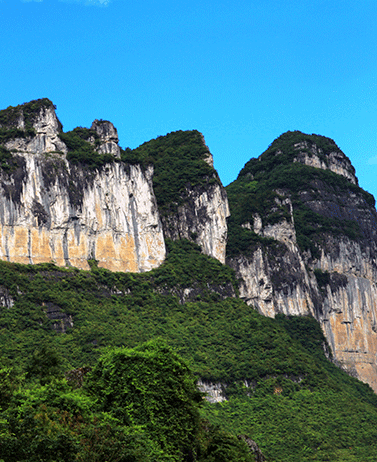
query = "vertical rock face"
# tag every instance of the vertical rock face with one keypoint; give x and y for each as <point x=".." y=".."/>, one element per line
<point x="202" y="218"/>
<point x="275" y="280"/>
<point x="108" y="136"/>
<point x="51" y="210"/>
<point x="322" y="260"/>
<point x="192" y="201"/>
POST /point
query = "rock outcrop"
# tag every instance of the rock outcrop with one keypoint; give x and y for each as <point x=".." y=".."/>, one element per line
<point x="310" y="154"/>
<point x="52" y="210"/>
<point x="108" y="137"/>
<point x="214" y="392"/>
<point x="302" y="234"/>
<point x="322" y="260"/>
<point x="192" y="201"/>
<point x="202" y="219"/>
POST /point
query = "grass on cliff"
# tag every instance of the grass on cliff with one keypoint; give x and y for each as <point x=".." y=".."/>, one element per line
<point x="281" y="389"/>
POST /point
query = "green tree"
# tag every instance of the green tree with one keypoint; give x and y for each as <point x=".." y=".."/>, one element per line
<point x="150" y="386"/>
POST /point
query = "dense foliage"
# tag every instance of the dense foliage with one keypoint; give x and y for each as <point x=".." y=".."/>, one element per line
<point x="281" y="389"/>
<point x="179" y="162"/>
<point x="101" y="366"/>
<point x="82" y="151"/>
<point x="137" y="405"/>
<point x="10" y="117"/>
<point x="264" y="183"/>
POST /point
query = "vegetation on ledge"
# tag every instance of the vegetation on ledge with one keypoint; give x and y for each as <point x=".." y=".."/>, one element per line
<point x="81" y="151"/>
<point x="179" y="163"/>
<point x="9" y="119"/>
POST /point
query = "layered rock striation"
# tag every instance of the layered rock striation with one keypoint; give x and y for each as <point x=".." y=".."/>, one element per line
<point x="77" y="196"/>
<point x="54" y="210"/>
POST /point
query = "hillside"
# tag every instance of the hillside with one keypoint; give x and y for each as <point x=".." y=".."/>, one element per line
<point x="102" y="365"/>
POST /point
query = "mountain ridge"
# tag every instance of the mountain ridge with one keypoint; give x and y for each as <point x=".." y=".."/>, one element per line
<point x="293" y="238"/>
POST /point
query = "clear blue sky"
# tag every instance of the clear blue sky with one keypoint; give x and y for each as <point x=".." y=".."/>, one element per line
<point x="241" y="72"/>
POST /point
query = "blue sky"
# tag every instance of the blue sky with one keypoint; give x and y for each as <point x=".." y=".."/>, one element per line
<point x="241" y="72"/>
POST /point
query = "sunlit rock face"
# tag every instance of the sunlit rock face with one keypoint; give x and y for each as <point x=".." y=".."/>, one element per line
<point x="47" y="128"/>
<point x="51" y="210"/>
<point x="214" y="392"/>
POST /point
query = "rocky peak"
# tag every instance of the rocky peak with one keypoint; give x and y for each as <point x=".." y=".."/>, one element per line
<point x="108" y="137"/>
<point x="294" y="146"/>
<point x="38" y="115"/>
<point x="303" y="240"/>
<point x="209" y="156"/>
<point x="105" y="130"/>
<point x="32" y="127"/>
<point x="309" y="153"/>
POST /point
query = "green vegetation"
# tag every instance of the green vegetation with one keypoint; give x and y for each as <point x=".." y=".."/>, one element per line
<point x="282" y="391"/>
<point x="9" y="119"/>
<point x="81" y="151"/>
<point x="137" y="405"/>
<point x="264" y="183"/>
<point x="6" y="160"/>
<point x="323" y="277"/>
<point x="282" y="151"/>
<point x="179" y="162"/>
<point x="324" y="421"/>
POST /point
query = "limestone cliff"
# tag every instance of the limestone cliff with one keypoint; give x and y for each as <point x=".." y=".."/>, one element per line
<point x="201" y="218"/>
<point x="53" y="209"/>
<point x="307" y="244"/>
<point x="302" y="235"/>
<point x="192" y="201"/>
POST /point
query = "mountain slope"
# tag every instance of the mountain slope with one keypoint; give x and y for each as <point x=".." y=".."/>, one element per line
<point x="301" y="241"/>
<point x="264" y="369"/>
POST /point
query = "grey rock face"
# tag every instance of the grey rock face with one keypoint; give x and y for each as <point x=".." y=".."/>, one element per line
<point x="335" y="161"/>
<point x="201" y="219"/>
<point x="47" y="128"/>
<point x="108" y="136"/>
<point x="214" y="391"/>
<point x="5" y="299"/>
